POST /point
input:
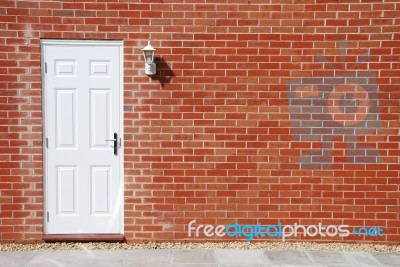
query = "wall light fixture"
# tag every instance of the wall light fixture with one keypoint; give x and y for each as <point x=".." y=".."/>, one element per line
<point x="150" y="66"/>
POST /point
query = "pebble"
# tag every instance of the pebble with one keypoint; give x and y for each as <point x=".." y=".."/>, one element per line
<point x="207" y="245"/>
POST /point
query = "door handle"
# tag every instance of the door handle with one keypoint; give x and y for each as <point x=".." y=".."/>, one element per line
<point x="115" y="140"/>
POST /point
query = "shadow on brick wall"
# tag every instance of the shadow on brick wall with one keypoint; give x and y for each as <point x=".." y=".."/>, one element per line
<point x="164" y="72"/>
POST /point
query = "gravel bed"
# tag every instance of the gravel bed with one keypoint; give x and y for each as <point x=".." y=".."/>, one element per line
<point x="224" y="245"/>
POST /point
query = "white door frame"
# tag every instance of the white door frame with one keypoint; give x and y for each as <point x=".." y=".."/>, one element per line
<point x="61" y="42"/>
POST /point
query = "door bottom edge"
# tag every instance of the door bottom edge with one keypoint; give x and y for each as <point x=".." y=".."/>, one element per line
<point x="83" y="238"/>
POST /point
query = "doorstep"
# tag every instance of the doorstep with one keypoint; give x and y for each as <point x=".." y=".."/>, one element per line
<point x="84" y="238"/>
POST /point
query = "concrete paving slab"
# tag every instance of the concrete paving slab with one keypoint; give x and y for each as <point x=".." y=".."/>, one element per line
<point x="287" y="257"/>
<point x="97" y="265"/>
<point x="242" y="265"/>
<point x="148" y="258"/>
<point x="240" y="257"/>
<point x="90" y="257"/>
<point x="142" y="264"/>
<point x="54" y="258"/>
<point x="15" y="258"/>
<point x="365" y="259"/>
<point x="296" y="265"/>
<point x="196" y="258"/>
<point x="193" y="265"/>
<point x="193" y="256"/>
<point x="330" y="258"/>
<point x="387" y="259"/>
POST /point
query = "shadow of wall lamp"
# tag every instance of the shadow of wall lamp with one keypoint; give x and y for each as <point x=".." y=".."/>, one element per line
<point x="150" y="66"/>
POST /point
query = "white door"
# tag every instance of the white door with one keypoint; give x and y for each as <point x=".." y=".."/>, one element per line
<point x="82" y="109"/>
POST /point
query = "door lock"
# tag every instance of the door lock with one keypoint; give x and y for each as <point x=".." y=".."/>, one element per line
<point x="115" y="140"/>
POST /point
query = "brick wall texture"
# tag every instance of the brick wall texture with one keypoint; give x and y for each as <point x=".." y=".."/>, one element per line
<point x="232" y="128"/>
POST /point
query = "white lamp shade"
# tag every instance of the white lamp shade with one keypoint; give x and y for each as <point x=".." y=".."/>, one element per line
<point x="148" y="53"/>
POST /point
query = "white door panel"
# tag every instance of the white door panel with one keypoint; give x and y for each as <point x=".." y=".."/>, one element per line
<point x="83" y="109"/>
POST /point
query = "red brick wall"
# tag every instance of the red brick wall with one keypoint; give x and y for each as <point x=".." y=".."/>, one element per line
<point x="210" y="137"/>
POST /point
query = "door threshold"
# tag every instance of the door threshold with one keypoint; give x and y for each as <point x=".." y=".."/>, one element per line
<point x="84" y="238"/>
